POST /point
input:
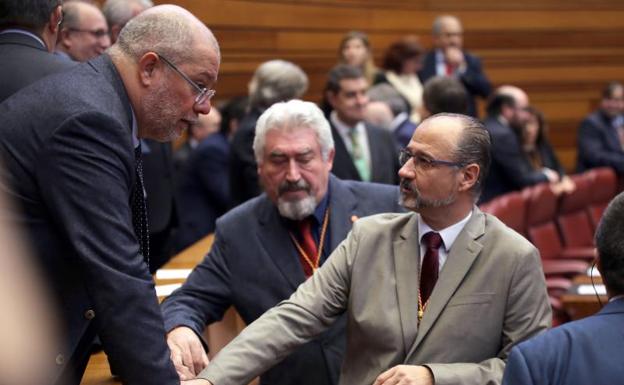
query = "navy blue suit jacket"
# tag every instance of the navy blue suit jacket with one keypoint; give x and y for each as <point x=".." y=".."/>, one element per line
<point x="474" y="79"/>
<point x="204" y="190"/>
<point x="403" y="132"/>
<point x="510" y="169"/>
<point x="598" y="144"/>
<point x="588" y="351"/>
<point x="69" y="167"/>
<point x="23" y="60"/>
<point x="253" y="266"/>
<point x="384" y="157"/>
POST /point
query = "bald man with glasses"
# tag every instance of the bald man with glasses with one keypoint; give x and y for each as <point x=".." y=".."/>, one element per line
<point x="435" y="296"/>
<point x="84" y="32"/>
<point x="71" y="150"/>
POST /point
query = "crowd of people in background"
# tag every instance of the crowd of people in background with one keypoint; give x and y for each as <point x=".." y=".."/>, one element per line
<point x="235" y="173"/>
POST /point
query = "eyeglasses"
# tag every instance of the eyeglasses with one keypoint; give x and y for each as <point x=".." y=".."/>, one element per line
<point x="98" y="33"/>
<point x="204" y="93"/>
<point x="423" y="162"/>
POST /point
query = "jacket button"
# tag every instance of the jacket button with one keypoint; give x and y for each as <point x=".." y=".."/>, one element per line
<point x="89" y="314"/>
<point x="60" y="359"/>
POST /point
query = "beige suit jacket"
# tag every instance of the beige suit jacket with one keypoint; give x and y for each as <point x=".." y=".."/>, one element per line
<point x="490" y="295"/>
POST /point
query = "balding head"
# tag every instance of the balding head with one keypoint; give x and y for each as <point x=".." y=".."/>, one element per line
<point x="170" y="30"/>
<point x="119" y="12"/>
<point x="447" y="32"/>
<point x="84" y="32"/>
<point x="519" y="115"/>
<point x="168" y="61"/>
<point x="518" y="95"/>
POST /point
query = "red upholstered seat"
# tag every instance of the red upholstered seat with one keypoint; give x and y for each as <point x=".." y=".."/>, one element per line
<point x="603" y="188"/>
<point x="573" y="219"/>
<point x="510" y="209"/>
<point x="542" y="232"/>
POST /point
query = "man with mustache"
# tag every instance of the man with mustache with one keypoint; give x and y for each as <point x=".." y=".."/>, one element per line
<point x="269" y="245"/>
<point x="435" y="296"/>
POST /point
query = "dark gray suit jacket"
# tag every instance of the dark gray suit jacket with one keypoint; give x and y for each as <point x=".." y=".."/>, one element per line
<point x="253" y="265"/>
<point x="510" y="170"/>
<point x="384" y="157"/>
<point x="69" y="167"/>
<point x="23" y="60"/>
<point x="598" y="144"/>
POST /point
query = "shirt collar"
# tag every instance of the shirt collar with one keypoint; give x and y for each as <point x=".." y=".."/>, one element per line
<point x="135" y="130"/>
<point x="24" y="32"/>
<point x="342" y="127"/>
<point x="448" y="234"/>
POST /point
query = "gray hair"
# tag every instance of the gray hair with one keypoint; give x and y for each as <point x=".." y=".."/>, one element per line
<point x="276" y="81"/>
<point x="30" y="14"/>
<point x="289" y="116"/>
<point x="384" y="92"/>
<point x="119" y="12"/>
<point x="436" y="28"/>
<point x="161" y="31"/>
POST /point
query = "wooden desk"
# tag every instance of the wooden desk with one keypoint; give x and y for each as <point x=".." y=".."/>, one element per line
<point x="218" y="334"/>
<point x="582" y="305"/>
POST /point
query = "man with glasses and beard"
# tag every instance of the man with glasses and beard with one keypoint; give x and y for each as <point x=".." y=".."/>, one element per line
<point x="271" y="244"/>
<point x="507" y="115"/>
<point x="438" y="295"/>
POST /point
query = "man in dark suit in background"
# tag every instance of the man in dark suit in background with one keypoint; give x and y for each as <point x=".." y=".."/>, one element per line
<point x="449" y="59"/>
<point x="28" y="33"/>
<point x="72" y="165"/>
<point x="601" y="134"/>
<point x="363" y="152"/>
<point x="262" y="249"/>
<point x="507" y="116"/>
<point x="203" y="187"/>
<point x="588" y="351"/>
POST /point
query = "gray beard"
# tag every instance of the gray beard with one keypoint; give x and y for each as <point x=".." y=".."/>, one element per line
<point x="296" y="210"/>
<point x="415" y="201"/>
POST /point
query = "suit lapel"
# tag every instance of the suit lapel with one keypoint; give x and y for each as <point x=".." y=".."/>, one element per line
<point x="343" y="206"/>
<point x="374" y="149"/>
<point x="406" y="252"/>
<point x="275" y="242"/>
<point x="343" y="164"/>
<point x="462" y="255"/>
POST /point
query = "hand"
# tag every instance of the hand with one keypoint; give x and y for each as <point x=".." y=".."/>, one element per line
<point x="198" y="381"/>
<point x="406" y="375"/>
<point x="454" y="57"/>
<point x="552" y="175"/>
<point x="187" y="352"/>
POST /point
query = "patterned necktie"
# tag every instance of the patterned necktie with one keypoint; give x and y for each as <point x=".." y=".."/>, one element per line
<point x="357" y="154"/>
<point x="308" y="245"/>
<point x="139" y="207"/>
<point x="430" y="265"/>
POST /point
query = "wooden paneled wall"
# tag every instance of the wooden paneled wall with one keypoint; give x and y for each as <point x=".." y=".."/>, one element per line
<point x="560" y="51"/>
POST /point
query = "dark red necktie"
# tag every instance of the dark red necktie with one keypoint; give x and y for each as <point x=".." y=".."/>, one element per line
<point x="309" y="247"/>
<point x="430" y="265"/>
<point x="449" y="69"/>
